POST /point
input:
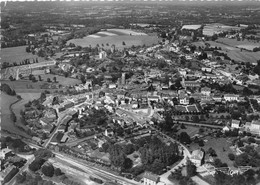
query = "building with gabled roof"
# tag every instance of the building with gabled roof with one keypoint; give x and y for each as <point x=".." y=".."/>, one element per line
<point x="235" y="123"/>
<point x="197" y="157"/>
<point x="150" y="178"/>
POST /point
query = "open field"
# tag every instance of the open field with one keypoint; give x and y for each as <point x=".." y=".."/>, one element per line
<point x="246" y="44"/>
<point x="61" y="79"/>
<point x="26" y="97"/>
<point x="244" y="56"/>
<point x="211" y="29"/>
<point x="220" y="145"/>
<point x="233" y="52"/>
<point x="116" y="32"/>
<point x="116" y="37"/>
<point x="224" y="47"/>
<point x="17" y="54"/>
<point x="6" y="122"/>
<point x="191" y="130"/>
<point x="24" y="85"/>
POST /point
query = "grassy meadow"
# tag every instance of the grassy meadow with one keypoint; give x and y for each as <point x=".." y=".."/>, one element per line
<point x="17" y="54"/>
<point x="6" y="122"/>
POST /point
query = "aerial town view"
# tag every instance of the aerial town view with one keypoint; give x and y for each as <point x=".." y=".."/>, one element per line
<point x="130" y="92"/>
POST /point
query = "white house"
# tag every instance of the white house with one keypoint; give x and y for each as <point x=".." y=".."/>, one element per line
<point x="112" y="86"/>
<point x="226" y="129"/>
<point x="153" y="98"/>
<point x="150" y="178"/>
<point x="207" y="69"/>
<point x="109" y="132"/>
<point x="253" y="127"/>
<point x="235" y="123"/>
<point x="231" y="97"/>
<point x="4" y="151"/>
<point x="184" y="100"/>
<point x="197" y="157"/>
<point x="102" y="54"/>
<point x="205" y="91"/>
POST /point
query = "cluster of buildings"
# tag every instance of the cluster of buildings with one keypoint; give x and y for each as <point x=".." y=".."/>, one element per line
<point x="8" y="169"/>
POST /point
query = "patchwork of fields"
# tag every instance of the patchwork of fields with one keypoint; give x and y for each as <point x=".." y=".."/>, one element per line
<point x="245" y="44"/>
<point x="231" y="48"/>
<point x="116" y="37"/>
<point x="211" y="29"/>
<point x="115" y="32"/>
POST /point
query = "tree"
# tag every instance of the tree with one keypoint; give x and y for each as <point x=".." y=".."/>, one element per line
<point x="183" y="126"/>
<point x="11" y="78"/>
<point x="184" y="138"/>
<point x="195" y="118"/>
<point x="48" y="170"/>
<point x="58" y="172"/>
<point x="43" y="154"/>
<point x="20" y="178"/>
<point x="191" y="169"/>
<point x="201" y="143"/>
<point x="20" y="76"/>
<point x="36" y="164"/>
<point x="128" y="163"/>
<point x="27" y="49"/>
<point x="43" y="97"/>
<point x="66" y="74"/>
<point x="192" y="100"/>
<point x="251" y="140"/>
<point x="30" y="77"/>
<point x="242" y="159"/>
<point x="105" y="147"/>
<point x="13" y="117"/>
<point x="247" y="91"/>
<point x="55" y="79"/>
<point x="240" y="143"/>
<point x="123" y="43"/>
<point x="231" y="156"/>
<point x="34" y="79"/>
<point x="129" y="149"/>
<point x="217" y="163"/>
<point x="201" y="130"/>
<point x="221" y="178"/>
<point x="212" y="152"/>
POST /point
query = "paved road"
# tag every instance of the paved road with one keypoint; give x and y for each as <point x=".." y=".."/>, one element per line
<point x="60" y="120"/>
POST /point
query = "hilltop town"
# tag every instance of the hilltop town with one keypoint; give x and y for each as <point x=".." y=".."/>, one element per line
<point x="130" y="102"/>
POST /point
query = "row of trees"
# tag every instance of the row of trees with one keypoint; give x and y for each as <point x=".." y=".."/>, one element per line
<point x="16" y="144"/>
<point x="155" y="155"/>
<point x="6" y="88"/>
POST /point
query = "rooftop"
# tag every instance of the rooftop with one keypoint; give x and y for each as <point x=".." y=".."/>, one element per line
<point x="197" y="154"/>
<point x="256" y="122"/>
<point x="151" y="176"/>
